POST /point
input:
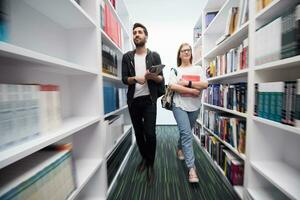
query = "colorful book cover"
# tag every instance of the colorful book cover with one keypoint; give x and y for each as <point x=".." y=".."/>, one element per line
<point x="190" y="78"/>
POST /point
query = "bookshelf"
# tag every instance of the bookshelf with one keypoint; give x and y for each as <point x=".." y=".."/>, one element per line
<point x="59" y="42"/>
<point x="117" y="135"/>
<point x="271" y="163"/>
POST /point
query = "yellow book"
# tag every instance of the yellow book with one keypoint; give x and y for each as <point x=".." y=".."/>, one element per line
<point x="259" y="5"/>
<point x="267" y="2"/>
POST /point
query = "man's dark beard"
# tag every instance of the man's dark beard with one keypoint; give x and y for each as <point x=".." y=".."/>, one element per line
<point x="140" y="44"/>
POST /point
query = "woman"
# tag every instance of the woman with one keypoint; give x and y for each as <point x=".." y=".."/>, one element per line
<point x="187" y="84"/>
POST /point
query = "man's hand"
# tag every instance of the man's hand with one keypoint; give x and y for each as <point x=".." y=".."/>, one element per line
<point x="140" y="79"/>
<point x="150" y="76"/>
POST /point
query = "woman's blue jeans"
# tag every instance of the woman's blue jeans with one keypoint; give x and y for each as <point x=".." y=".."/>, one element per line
<point x="185" y="122"/>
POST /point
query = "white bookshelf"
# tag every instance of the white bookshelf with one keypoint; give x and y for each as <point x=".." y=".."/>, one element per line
<point x="265" y="193"/>
<point x="40" y="60"/>
<point x="284" y="177"/>
<point x="31" y="145"/>
<point x="59" y="42"/>
<point x="271" y="161"/>
<point x="232" y="75"/>
<point x="85" y="169"/>
<point x="226" y="110"/>
<point x="231" y="42"/>
<point x="234" y="150"/>
<point x="237" y="188"/>
<point x="121" y="14"/>
<point x="126" y="130"/>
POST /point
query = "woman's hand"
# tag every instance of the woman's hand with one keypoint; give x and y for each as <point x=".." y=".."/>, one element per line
<point x="183" y="82"/>
<point x="195" y="92"/>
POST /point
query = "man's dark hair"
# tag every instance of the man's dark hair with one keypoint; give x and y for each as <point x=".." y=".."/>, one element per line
<point x="141" y="26"/>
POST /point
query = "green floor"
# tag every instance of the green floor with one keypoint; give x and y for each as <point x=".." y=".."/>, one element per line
<point x="171" y="175"/>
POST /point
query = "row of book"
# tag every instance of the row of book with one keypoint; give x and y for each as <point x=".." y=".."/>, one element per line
<point x="197" y="130"/>
<point x="46" y="174"/>
<point x="110" y="24"/>
<point x="230" y="96"/>
<point x="27" y="110"/>
<point x="278" y="101"/>
<point x="237" y="16"/>
<point x="234" y="60"/>
<point x="109" y="60"/>
<point x="114" y="98"/>
<point x="280" y="38"/>
<point x="261" y="4"/>
<point x="231" y="165"/>
<point x="3" y="22"/>
<point x="227" y="127"/>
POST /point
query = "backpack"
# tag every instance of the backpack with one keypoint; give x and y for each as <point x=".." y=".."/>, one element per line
<point x="167" y="99"/>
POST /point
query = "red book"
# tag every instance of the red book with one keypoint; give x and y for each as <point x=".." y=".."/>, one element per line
<point x="190" y="78"/>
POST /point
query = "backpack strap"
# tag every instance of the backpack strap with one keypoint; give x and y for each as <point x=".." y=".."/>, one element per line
<point x="175" y="71"/>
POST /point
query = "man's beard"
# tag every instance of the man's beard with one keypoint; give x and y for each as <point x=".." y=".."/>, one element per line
<point x="140" y="43"/>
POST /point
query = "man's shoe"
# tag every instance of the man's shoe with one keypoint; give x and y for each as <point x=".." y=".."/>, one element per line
<point x="142" y="166"/>
<point x="150" y="174"/>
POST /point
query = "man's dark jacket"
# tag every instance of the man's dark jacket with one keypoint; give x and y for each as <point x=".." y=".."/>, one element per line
<point x="128" y="70"/>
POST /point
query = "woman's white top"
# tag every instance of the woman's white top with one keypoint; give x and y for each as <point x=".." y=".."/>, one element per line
<point x="187" y="102"/>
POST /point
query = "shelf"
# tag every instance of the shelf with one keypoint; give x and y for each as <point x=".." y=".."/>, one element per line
<point x="198" y="42"/>
<point x="116" y="111"/>
<point x="287" y="63"/>
<point x="120" y="169"/>
<point x="227" y="110"/>
<point x="198" y="62"/>
<point x="69" y="127"/>
<point x="229" y="43"/>
<point x="44" y="61"/>
<point x="265" y="194"/>
<point x="217" y="25"/>
<point x="108" y="41"/>
<point x="67" y="13"/>
<point x="197" y="139"/>
<point x="277" y="125"/>
<point x="127" y="128"/>
<point x="112" y="9"/>
<point x="235" y="151"/>
<point x="238" y="189"/>
<point x="199" y="122"/>
<point x="111" y="78"/>
<point x="213" y="5"/>
<point x="237" y="74"/>
<point x="284" y="177"/>
<point x="85" y="169"/>
<point x="273" y="10"/>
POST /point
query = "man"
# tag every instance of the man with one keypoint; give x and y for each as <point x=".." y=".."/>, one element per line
<point x="143" y="90"/>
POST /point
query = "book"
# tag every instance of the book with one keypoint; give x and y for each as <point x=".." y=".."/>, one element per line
<point x="209" y="17"/>
<point x="190" y="78"/>
<point x="156" y="69"/>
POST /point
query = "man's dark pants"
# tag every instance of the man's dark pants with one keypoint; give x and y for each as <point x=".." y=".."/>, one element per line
<point x="143" y="116"/>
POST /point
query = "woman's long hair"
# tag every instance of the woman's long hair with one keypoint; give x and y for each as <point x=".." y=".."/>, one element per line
<point x="178" y="54"/>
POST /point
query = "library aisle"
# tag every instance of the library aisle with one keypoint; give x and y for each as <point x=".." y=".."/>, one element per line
<point x="171" y="175"/>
